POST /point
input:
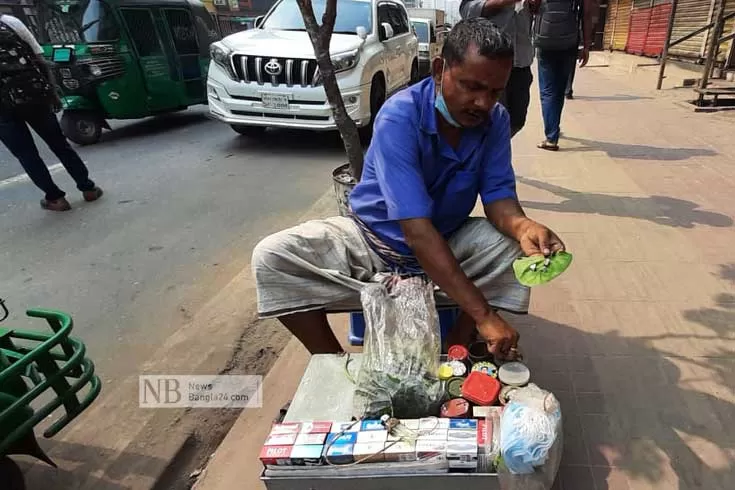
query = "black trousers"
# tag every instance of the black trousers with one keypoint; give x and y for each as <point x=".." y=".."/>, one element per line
<point x="16" y="136"/>
<point x="517" y="96"/>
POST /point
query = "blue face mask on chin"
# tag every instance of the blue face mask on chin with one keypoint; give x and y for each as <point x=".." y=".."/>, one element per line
<point x="441" y="105"/>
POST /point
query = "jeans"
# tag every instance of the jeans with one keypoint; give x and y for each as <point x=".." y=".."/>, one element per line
<point x="16" y="136"/>
<point x="517" y="96"/>
<point x="554" y="68"/>
<point x="570" y="81"/>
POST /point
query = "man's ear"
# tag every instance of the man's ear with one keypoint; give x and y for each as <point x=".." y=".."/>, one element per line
<point x="437" y="67"/>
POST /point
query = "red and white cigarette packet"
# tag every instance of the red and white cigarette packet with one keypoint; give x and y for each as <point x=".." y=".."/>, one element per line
<point x="276" y="455"/>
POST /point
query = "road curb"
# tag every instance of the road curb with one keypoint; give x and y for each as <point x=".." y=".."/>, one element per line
<point x="184" y="454"/>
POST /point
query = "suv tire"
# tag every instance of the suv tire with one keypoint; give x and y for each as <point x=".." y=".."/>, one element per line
<point x="377" y="99"/>
<point x="415" y="77"/>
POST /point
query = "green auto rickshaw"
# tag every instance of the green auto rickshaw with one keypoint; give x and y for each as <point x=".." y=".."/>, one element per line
<point x="125" y="59"/>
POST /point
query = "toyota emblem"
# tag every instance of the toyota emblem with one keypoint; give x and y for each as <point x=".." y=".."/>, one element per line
<point x="273" y="67"/>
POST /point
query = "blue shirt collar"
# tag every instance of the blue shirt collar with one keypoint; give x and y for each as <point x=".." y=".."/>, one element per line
<point x="428" y="113"/>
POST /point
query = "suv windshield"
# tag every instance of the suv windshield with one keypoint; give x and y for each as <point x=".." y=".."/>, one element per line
<point x="351" y="14"/>
<point x="422" y="31"/>
<point x="77" y="21"/>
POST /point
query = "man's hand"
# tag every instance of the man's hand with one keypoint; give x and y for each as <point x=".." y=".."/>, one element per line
<point x="56" y="104"/>
<point x="536" y="239"/>
<point x="584" y="57"/>
<point x="501" y="338"/>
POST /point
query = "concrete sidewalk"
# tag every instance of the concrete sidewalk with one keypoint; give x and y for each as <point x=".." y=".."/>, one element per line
<point x="637" y="339"/>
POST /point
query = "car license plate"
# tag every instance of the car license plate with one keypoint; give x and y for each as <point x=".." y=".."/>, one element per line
<point x="274" y="101"/>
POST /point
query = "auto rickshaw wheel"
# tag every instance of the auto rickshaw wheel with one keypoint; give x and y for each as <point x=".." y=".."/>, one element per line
<point x="11" y="473"/>
<point x="249" y="131"/>
<point x="83" y="128"/>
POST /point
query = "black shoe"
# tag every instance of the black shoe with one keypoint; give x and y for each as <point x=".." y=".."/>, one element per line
<point x="60" y="204"/>
<point x="570" y="96"/>
<point x="92" y="195"/>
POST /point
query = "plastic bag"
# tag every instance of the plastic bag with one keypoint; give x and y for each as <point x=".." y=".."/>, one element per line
<point x="402" y="345"/>
<point x="530" y="440"/>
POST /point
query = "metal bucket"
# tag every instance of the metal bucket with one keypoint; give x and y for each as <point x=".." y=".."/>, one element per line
<point x="343" y="185"/>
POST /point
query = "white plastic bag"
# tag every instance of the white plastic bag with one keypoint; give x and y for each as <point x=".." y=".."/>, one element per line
<point x="402" y="345"/>
<point x="530" y="440"/>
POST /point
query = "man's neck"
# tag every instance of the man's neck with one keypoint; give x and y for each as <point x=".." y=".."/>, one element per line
<point x="447" y="131"/>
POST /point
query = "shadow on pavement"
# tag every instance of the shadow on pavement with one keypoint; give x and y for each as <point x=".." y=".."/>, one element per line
<point x="155" y="125"/>
<point x="79" y="467"/>
<point x="638" y="152"/>
<point x="662" y="210"/>
<point x="285" y="141"/>
<point x="610" y="98"/>
<point x="627" y="413"/>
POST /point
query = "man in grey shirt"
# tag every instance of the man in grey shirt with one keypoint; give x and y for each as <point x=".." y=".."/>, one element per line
<point x="515" y="19"/>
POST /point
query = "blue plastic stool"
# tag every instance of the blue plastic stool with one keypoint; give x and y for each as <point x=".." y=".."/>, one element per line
<point x="447" y="317"/>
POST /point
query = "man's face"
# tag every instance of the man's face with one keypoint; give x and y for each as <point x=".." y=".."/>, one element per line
<point x="472" y="88"/>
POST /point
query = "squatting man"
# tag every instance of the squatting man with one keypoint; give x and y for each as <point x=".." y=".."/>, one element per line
<point x="436" y="146"/>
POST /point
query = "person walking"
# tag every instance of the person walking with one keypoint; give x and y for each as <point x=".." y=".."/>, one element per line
<point x="513" y="18"/>
<point x="556" y="38"/>
<point x="28" y="98"/>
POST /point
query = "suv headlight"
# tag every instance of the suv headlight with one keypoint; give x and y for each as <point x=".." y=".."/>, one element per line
<point x="345" y="61"/>
<point x="220" y="54"/>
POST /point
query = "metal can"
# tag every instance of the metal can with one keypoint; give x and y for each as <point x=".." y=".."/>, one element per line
<point x="454" y="387"/>
<point x="504" y="392"/>
<point x="486" y="367"/>
<point x="455" y="408"/>
<point x="458" y="353"/>
<point x="458" y="368"/>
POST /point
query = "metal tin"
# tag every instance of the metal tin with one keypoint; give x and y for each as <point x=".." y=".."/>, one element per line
<point x="458" y="368"/>
<point x="455" y="408"/>
<point x="445" y="371"/>
<point x="458" y="353"/>
<point x="514" y="374"/>
<point x="478" y="352"/>
<point x="486" y="367"/>
<point x="454" y="387"/>
<point x="504" y="392"/>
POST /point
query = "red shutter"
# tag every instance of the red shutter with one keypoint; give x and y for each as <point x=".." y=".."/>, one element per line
<point x="657" y="28"/>
<point x="638" y="32"/>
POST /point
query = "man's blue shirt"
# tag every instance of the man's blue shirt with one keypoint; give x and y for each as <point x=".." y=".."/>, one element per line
<point x="411" y="171"/>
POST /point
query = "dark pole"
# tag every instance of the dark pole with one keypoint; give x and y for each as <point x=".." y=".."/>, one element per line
<point x="714" y="42"/>
<point x="665" y="52"/>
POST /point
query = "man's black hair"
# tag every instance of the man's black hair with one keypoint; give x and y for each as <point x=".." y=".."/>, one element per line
<point x="479" y="33"/>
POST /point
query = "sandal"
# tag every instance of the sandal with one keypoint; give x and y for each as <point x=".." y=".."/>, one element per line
<point x="548" y="146"/>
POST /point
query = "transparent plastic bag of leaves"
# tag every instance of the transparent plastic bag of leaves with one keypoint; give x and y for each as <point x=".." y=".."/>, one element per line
<point x="401" y="349"/>
<point x="530" y="440"/>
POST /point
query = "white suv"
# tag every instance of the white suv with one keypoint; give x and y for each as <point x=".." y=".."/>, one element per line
<point x="268" y="76"/>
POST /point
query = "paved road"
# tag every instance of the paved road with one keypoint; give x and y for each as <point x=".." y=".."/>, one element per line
<point x="186" y="199"/>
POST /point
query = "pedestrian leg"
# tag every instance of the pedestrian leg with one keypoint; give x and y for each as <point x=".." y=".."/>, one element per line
<point x="517" y="97"/>
<point x="17" y="138"/>
<point x="547" y="81"/>
<point x="47" y="126"/>
<point x="570" y="80"/>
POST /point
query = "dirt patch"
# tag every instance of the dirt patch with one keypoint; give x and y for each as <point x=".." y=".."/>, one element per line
<point x="255" y="352"/>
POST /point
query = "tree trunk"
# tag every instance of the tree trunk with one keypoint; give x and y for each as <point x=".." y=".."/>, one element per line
<point x="321" y="36"/>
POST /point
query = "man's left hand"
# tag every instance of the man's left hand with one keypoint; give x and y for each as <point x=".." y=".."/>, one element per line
<point x="536" y="239"/>
<point x="584" y="57"/>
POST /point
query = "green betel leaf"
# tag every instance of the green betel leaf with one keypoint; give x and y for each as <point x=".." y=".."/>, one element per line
<point x="534" y="270"/>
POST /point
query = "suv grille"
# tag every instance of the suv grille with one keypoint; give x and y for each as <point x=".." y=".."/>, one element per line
<point x="288" y="71"/>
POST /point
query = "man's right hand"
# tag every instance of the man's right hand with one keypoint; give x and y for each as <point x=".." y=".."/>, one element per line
<point x="501" y="338"/>
<point x="56" y="104"/>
